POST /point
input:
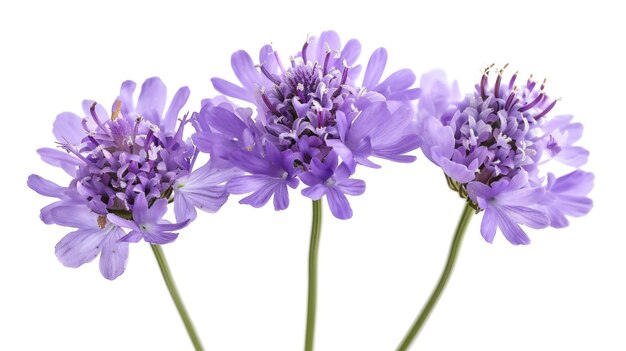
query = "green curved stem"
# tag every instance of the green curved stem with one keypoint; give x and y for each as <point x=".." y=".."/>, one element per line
<point x="316" y="227"/>
<point x="171" y="286"/>
<point x="445" y="275"/>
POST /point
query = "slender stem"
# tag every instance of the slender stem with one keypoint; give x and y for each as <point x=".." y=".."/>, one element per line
<point x="171" y="286"/>
<point x="445" y="275"/>
<point x="316" y="226"/>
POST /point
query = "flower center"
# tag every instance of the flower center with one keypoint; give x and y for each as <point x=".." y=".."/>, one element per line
<point x="124" y="157"/>
<point x="304" y="100"/>
<point x="496" y="128"/>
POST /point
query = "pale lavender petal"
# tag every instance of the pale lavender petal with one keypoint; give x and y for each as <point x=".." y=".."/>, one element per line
<point x="141" y="213"/>
<point x="114" y="254"/>
<point x="159" y="238"/>
<point x="126" y="97"/>
<point x="133" y="237"/>
<point x="375" y="68"/>
<point x="45" y="187"/>
<point x="352" y="187"/>
<point x="244" y="69"/>
<point x="397" y="81"/>
<point x="227" y="88"/>
<point x="179" y="100"/>
<point x="521" y="197"/>
<point x="433" y="134"/>
<point x="574" y="206"/>
<point x="315" y="192"/>
<point x="122" y="222"/>
<point x="154" y="214"/>
<point x="456" y="171"/>
<point x="330" y="39"/>
<point x="246" y="184"/>
<point x="74" y="216"/>
<point x="80" y="247"/>
<point x="281" y="197"/>
<point x="574" y="156"/>
<point x="350" y="52"/>
<point x="61" y="159"/>
<point x="67" y="128"/>
<point x="528" y="216"/>
<point x="151" y="100"/>
<point x="261" y="196"/>
<point x="577" y="182"/>
<point x="511" y="230"/>
<point x="338" y="204"/>
<point x="225" y="122"/>
<point x="183" y="207"/>
<point x="488" y="225"/>
<point x="168" y="227"/>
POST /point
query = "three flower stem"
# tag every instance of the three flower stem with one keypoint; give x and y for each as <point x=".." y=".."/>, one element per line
<point x="316" y="227"/>
<point x="468" y="211"/>
<point x="171" y="286"/>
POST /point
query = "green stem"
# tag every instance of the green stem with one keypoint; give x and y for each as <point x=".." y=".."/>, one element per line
<point x="445" y="275"/>
<point x="171" y="286"/>
<point x="312" y="297"/>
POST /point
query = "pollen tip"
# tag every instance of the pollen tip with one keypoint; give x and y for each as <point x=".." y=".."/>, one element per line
<point x="102" y="221"/>
<point x="117" y="108"/>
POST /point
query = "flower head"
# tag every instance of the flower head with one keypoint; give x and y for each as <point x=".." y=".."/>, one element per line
<point x="491" y="144"/>
<point x="310" y="112"/>
<point x="125" y="169"/>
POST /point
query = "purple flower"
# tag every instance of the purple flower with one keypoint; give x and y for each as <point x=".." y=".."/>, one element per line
<point x="491" y="144"/>
<point x="307" y="111"/>
<point x="125" y="169"/>
<point x="148" y="222"/>
<point x="333" y="181"/>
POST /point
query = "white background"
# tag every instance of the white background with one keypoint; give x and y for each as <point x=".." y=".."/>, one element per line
<point x="242" y="271"/>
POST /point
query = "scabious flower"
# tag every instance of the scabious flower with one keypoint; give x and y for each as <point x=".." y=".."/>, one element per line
<point x="491" y="145"/>
<point x="310" y="113"/>
<point x="125" y="168"/>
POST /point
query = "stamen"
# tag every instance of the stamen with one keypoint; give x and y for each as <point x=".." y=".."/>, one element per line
<point x="547" y="109"/>
<point x="530" y="84"/>
<point x="94" y="116"/>
<point x="268" y="103"/>
<point x="532" y="103"/>
<point x="509" y="101"/>
<point x="512" y="81"/>
<point x="327" y="58"/>
<point x="543" y="84"/>
<point x="300" y="91"/>
<point x="496" y="88"/>
<point x="280" y="63"/>
<point x="306" y="45"/>
<point x="269" y="75"/>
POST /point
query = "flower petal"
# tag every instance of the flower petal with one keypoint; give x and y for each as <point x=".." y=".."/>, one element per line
<point x="352" y="187"/>
<point x="151" y="100"/>
<point x="114" y="254"/>
<point x="45" y="187"/>
<point x="511" y="230"/>
<point x="338" y="203"/>
<point x="375" y="68"/>
<point x="69" y="163"/>
<point x="315" y="192"/>
<point x="74" y="216"/>
<point x="229" y="89"/>
<point x="81" y="246"/>
<point x="67" y="128"/>
<point x="244" y="69"/>
<point x="178" y="101"/>
<point x="488" y="225"/>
